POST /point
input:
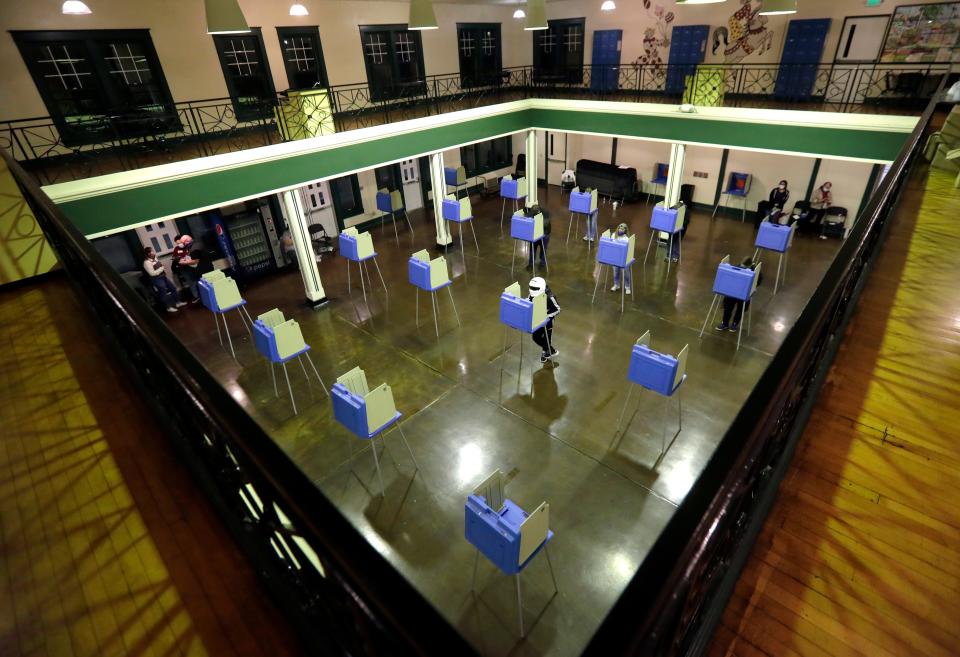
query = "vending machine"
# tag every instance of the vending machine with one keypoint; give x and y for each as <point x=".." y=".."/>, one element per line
<point x="247" y="235"/>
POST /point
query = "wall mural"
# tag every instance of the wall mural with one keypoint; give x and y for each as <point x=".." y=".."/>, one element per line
<point x="923" y="33"/>
<point x="656" y="38"/>
<point x="746" y="33"/>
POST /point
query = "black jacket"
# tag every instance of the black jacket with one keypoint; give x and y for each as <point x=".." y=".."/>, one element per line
<point x="779" y="198"/>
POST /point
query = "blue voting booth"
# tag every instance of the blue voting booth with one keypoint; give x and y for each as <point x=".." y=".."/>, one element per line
<point x="455" y="177"/>
<point x="738" y="186"/>
<point x="661" y="171"/>
<point x="522" y="314"/>
<point x="739" y="283"/>
<point x="661" y="373"/>
<point x="358" y="247"/>
<point x="430" y="276"/>
<point x="615" y="253"/>
<point x="584" y="204"/>
<point x="391" y="203"/>
<point x="280" y="340"/>
<point x="776" y="238"/>
<point x="219" y="295"/>
<point x="505" y="534"/>
<point x="460" y="211"/>
<point x="514" y="189"/>
<point x="366" y="413"/>
<point x="669" y="221"/>
<point x="529" y="230"/>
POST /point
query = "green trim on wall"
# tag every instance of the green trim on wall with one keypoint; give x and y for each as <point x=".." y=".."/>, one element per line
<point x="812" y="140"/>
<point x="104" y="212"/>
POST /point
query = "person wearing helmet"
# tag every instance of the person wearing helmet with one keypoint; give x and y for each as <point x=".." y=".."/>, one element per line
<point x="621" y="274"/>
<point x="543" y="336"/>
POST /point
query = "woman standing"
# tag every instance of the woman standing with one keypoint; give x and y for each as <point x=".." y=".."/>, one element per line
<point x="822" y="199"/>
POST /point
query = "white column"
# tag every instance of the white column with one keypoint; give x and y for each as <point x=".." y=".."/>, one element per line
<point x="675" y="175"/>
<point x="306" y="261"/>
<point x="531" y="168"/>
<point x="439" y="185"/>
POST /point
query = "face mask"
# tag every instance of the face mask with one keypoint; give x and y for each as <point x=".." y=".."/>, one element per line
<point x="783" y="186"/>
<point x="827" y="188"/>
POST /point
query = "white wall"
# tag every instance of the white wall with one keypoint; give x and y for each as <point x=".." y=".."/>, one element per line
<point x="849" y="182"/>
<point x="767" y="170"/>
<point x="189" y="61"/>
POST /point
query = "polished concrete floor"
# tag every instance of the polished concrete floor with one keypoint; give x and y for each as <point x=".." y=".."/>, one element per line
<point x="552" y="428"/>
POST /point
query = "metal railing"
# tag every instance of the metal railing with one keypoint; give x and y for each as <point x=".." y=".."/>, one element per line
<point x="56" y="151"/>
<point x="343" y="596"/>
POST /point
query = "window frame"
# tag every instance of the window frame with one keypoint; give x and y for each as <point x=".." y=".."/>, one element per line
<point x="476" y="78"/>
<point x="107" y="127"/>
<point x="338" y="210"/>
<point x="558" y="71"/>
<point x="312" y="31"/>
<point x="397" y="90"/>
<point x="480" y="169"/>
<point x="241" y="112"/>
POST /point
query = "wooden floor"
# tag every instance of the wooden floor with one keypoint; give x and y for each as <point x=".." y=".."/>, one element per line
<point x="861" y="553"/>
<point x="106" y="546"/>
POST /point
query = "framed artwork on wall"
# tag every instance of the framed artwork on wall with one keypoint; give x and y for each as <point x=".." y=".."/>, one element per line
<point x="923" y="33"/>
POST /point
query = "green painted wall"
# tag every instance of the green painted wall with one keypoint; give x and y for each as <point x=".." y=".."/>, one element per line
<point x="119" y="209"/>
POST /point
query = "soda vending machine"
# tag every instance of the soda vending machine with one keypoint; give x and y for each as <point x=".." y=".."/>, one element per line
<point x="248" y="238"/>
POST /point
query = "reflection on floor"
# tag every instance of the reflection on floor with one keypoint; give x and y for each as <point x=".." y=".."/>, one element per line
<point x="859" y="554"/>
<point x="107" y="547"/>
<point x="550" y="427"/>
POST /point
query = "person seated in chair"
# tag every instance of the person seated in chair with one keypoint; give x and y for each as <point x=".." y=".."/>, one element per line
<point x="779" y="196"/>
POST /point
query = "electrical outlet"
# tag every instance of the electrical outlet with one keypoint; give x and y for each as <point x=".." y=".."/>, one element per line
<point x="700" y="174"/>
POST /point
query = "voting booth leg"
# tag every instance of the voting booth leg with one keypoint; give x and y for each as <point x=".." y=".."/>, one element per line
<point x="314" y="368"/>
<point x="503" y="209"/>
<point x="376" y="461"/>
<point x="663" y="437"/>
<point x="546" y="551"/>
<point x="305" y="375"/>
<point x="289" y="388"/>
<point x="475" y="242"/>
<point x="396" y="235"/>
<point x="714" y="213"/>
<point x="514" y="258"/>
<point x="776" y="281"/>
<point x="226" y="328"/>
<point x="670" y="251"/>
<point x="380" y="274"/>
<point x="573" y="219"/>
<point x="743" y="210"/>
<point x="417" y="314"/>
<point x="409" y="225"/>
<point x="519" y="606"/>
<point x="409" y="451"/>
<point x="433" y="305"/>
<point x="597" y="285"/>
<point x="216" y="320"/>
<point x="476" y="561"/>
<point x="247" y="322"/>
<point x="653" y="234"/>
<point x="710" y="312"/>
<point x="455" y="314"/>
<point x="273" y="375"/>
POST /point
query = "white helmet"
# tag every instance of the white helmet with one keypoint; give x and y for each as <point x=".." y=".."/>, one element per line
<point x="537" y="286"/>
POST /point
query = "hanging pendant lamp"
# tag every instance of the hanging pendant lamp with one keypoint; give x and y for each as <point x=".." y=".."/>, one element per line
<point x="608" y="5"/>
<point x="298" y="10"/>
<point x="536" y="15"/>
<point x="519" y="14"/>
<point x="225" y="17"/>
<point x="75" y="8"/>
<point x="778" y="7"/>
<point x="422" y="16"/>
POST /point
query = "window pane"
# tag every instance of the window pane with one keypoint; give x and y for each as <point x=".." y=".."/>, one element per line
<point x="68" y="78"/>
<point x="130" y="75"/>
<point x="302" y="57"/>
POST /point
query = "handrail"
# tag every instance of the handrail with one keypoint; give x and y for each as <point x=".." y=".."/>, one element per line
<point x="685" y="555"/>
<point x="377" y="602"/>
<point x="355" y="592"/>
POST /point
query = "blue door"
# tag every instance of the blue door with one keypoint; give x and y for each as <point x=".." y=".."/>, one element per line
<point x="802" y="51"/>
<point x="688" y="44"/>
<point x="606" y="59"/>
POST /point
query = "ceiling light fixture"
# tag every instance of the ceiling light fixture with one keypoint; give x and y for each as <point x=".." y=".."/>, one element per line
<point x="778" y="7"/>
<point x="225" y="17"/>
<point x="536" y="15"/>
<point x="298" y="10"/>
<point x="519" y="14"/>
<point x="608" y="5"/>
<point x="422" y="16"/>
<point x="75" y="8"/>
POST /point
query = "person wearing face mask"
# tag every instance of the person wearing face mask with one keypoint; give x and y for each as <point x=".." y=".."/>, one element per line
<point x="822" y="199"/>
<point x="621" y="275"/>
<point x="543" y="336"/>
<point x="779" y="196"/>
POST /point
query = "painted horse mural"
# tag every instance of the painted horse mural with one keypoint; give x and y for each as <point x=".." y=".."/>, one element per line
<point x="747" y="34"/>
